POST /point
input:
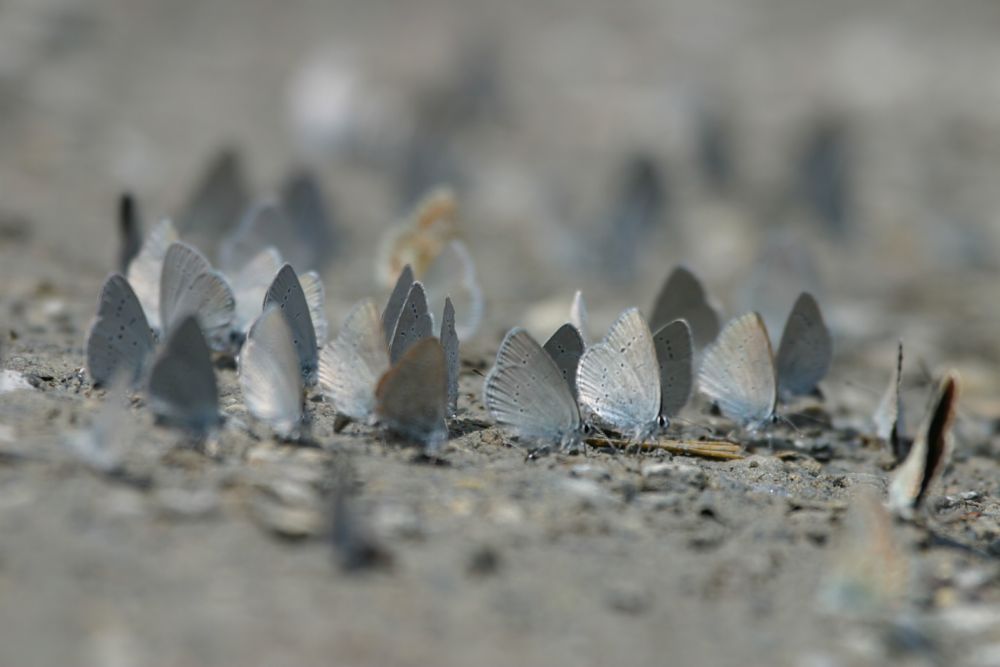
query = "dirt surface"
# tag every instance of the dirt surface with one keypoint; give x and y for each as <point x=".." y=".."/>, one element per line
<point x="195" y="556"/>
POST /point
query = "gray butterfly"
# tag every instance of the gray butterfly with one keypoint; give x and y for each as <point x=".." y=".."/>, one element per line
<point x="674" y="353"/>
<point x="270" y="375"/>
<point x="618" y="379"/>
<point x="129" y="230"/>
<point x="264" y="225"/>
<point x="930" y="453"/>
<point x="742" y="375"/>
<point x="351" y="364"/>
<point x="309" y="213"/>
<point x="683" y="297"/>
<point x="737" y="372"/>
<point x="414" y="324"/>
<point x="217" y="202"/>
<point x="526" y="393"/>
<point x="286" y="292"/>
<point x="119" y="340"/>
<point x="411" y="399"/>
<point x="453" y="274"/>
<point x="250" y="284"/>
<point x="394" y="306"/>
<point x="889" y="422"/>
<point x="565" y="347"/>
<point x="449" y="343"/>
<point x="189" y="285"/>
<point x="144" y="271"/>
<point x="805" y="352"/>
<point x="182" y="387"/>
<point x="102" y="447"/>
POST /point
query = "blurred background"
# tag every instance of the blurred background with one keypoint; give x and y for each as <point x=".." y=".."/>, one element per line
<point x="850" y="148"/>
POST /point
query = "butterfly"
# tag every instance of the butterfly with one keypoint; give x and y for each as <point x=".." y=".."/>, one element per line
<point x="930" y="453"/>
<point x="741" y="374"/>
<point x="527" y="393"/>
<point x="119" y="340"/>
<point x="633" y="381"/>
<point x="182" y="387"/>
<point x="406" y="396"/>
<point x="270" y="374"/>
<point x="683" y="297"/>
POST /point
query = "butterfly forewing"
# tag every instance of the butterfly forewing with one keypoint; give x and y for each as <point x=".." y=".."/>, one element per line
<point x="453" y="274"/>
<point x="888" y="416"/>
<point x="414" y="324"/>
<point x="930" y="452"/>
<point x="618" y="379"/>
<point x="286" y="293"/>
<point x="182" y="387"/>
<point x="189" y="286"/>
<point x="144" y="271"/>
<point x="312" y="287"/>
<point x="394" y="306"/>
<point x="412" y="397"/>
<point x="352" y="363"/>
<point x="565" y="347"/>
<point x="449" y="342"/>
<point x="674" y="353"/>
<point x="737" y="371"/>
<point x="526" y="392"/>
<point x="250" y="285"/>
<point x="269" y="373"/>
<point x="119" y="341"/>
<point x="217" y="202"/>
<point x="806" y="349"/>
<point x="309" y="214"/>
<point x="683" y="297"/>
<point x="129" y="231"/>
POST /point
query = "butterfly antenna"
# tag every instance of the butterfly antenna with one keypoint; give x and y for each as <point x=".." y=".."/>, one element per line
<point x="788" y="421"/>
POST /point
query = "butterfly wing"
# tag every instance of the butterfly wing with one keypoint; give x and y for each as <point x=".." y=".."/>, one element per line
<point x="286" y="292"/>
<point x="352" y="363"/>
<point x="929" y="454"/>
<point x="144" y="271"/>
<point x="737" y="371"/>
<point x="217" y="202"/>
<point x="189" y="286"/>
<point x="312" y="287"/>
<point x="411" y="399"/>
<point x="674" y="353"/>
<point x="525" y="392"/>
<point x="250" y="285"/>
<point x="565" y="347"/>
<point x="264" y="225"/>
<point x="618" y="379"/>
<point x="307" y="209"/>
<point x="129" y="231"/>
<point x="182" y="387"/>
<point x="394" y="307"/>
<point x="119" y="340"/>
<point x="269" y="373"/>
<point x="888" y="416"/>
<point x="449" y="342"/>
<point x="415" y="323"/>
<point x="683" y="297"/>
<point x="453" y="274"/>
<point x="806" y="349"/>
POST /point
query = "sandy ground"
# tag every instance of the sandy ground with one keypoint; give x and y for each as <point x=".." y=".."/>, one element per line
<point x="224" y="557"/>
